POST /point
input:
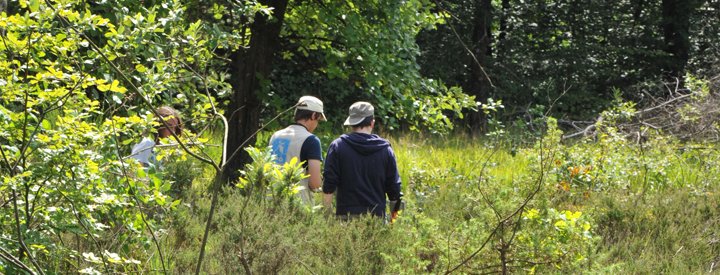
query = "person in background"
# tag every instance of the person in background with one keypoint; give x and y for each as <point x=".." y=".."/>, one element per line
<point x="297" y="141"/>
<point x="360" y="168"/>
<point x="144" y="152"/>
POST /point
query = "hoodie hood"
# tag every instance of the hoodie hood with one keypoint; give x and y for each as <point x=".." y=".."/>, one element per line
<point x="365" y="144"/>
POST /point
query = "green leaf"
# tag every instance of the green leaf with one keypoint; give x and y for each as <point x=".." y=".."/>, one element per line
<point x="115" y="87"/>
<point x="175" y="203"/>
<point x="101" y="86"/>
<point x="159" y="198"/>
<point x="46" y="124"/>
<point x="34" y="5"/>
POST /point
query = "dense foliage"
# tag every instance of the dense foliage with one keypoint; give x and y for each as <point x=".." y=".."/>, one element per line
<point x="80" y="82"/>
<point x="571" y="53"/>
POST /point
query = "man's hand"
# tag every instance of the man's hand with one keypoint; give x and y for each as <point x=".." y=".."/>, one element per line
<point x="327" y="203"/>
<point x="327" y="200"/>
<point x="395" y="207"/>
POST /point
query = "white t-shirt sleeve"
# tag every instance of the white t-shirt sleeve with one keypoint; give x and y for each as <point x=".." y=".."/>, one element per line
<point x="143" y="151"/>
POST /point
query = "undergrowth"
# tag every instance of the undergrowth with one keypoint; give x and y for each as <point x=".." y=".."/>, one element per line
<point x="603" y="206"/>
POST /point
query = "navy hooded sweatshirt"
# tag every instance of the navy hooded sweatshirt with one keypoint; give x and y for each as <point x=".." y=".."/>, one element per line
<point x="362" y="169"/>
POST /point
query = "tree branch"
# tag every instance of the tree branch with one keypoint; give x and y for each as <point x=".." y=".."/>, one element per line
<point x="20" y="235"/>
<point x="477" y="62"/>
<point x="203" y="78"/>
<point x="5" y="255"/>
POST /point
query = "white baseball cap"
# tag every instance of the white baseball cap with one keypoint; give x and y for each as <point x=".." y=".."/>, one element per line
<point x="311" y="103"/>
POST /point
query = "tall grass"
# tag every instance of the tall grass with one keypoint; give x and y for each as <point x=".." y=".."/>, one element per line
<point x="650" y="208"/>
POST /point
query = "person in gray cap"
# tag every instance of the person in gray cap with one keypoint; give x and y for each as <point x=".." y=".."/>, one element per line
<point x="360" y="168"/>
<point x="297" y="141"/>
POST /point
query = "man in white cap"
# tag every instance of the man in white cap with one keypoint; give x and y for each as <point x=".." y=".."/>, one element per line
<point x="360" y="168"/>
<point x="297" y="141"/>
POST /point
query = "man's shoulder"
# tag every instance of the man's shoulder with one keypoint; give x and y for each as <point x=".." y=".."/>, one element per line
<point x="144" y="144"/>
<point x="278" y="132"/>
<point x="283" y="130"/>
<point x="337" y="141"/>
<point x="312" y="139"/>
<point x="288" y="131"/>
<point x="380" y="137"/>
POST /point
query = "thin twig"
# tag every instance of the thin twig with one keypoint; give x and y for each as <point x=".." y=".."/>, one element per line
<point x="663" y="104"/>
<point x="237" y="150"/>
<point x="482" y="171"/>
<point x="87" y="230"/>
<point x="21" y="240"/>
<point x="25" y="107"/>
<point x="519" y="209"/>
<point x="499" y="224"/>
<point x="213" y="204"/>
<point x="137" y="201"/>
<point x="23" y="247"/>
<point x="203" y="78"/>
<point x="217" y="183"/>
<point x="8" y="257"/>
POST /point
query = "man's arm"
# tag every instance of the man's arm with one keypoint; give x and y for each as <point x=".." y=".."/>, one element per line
<point x="312" y="153"/>
<point x="331" y="176"/>
<point x="315" y="180"/>
<point x="392" y="177"/>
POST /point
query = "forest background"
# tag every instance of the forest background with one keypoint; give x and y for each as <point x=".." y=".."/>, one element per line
<point x="532" y="136"/>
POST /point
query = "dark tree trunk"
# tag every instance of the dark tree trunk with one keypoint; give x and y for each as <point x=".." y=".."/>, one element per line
<point x="505" y="4"/>
<point x="676" y="32"/>
<point x="479" y="84"/>
<point x="248" y="67"/>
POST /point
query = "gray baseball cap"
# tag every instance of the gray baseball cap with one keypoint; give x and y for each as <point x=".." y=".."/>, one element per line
<point x="358" y="112"/>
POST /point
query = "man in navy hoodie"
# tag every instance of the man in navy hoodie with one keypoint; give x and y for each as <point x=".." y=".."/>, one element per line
<point x="360" y="168"/>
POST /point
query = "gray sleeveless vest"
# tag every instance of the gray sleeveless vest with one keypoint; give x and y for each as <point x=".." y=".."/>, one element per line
<point x="286" y="144"/>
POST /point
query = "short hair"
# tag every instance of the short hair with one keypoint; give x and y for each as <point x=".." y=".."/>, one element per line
<point x="365" y="122"/>
<point x="303" y="114"/>
<point x="171" y="118"/>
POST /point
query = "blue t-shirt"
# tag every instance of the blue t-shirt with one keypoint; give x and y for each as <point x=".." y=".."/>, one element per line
<point x="310" y="150"/>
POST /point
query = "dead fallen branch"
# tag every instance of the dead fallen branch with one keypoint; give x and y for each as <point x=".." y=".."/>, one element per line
<point x="684" y="113"/>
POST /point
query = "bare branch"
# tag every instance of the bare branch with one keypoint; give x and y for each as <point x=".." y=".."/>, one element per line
<point x="5" y="255"/>
<point x="518" y="211"/>
<point x="21" y="240"/>
<point x="687" y="115"/>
